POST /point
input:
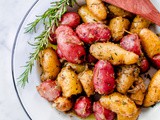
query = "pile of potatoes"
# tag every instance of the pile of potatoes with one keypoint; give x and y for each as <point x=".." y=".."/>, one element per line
<point x="101" y="53"/>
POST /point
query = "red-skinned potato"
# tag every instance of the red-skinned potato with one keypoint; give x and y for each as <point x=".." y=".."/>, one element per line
<point x="156" y="61"/>
<point x="103" y="77"/>
<point x="71" y="19"/>
<point x="52" y="36"/>
<point x="83" y="107"/>
<point x="93" y="32"/>
<point x="144" y="64"/>
<point x="49" y="90"/>
<point x="101" y="113"/>
<point x="91" y="59"/>
<point x="70" y="45"/>
<point x="131" y="43"/>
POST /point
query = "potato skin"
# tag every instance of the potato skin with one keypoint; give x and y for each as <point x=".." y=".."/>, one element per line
<point x="126" y="75"/>
<point x="71" y="19"/>
<point x="115" y="54"/>
<point x="69" y="44"/>
<point x="97" y="8"/>
<point x="50" y="64"/>
<point x="119" y="104"/>
<point x="78" y="68"/>
<point x="103" y="77"/>
<point x="118" y="25"/>
<point x="138" y="24"/>
<point x="150" y="42"/>
<point x="68" y="80"/>
<point x="153" y="93"/>
<point x="156" y="61"/>
<point x="87" y="16"/>
<point x="93" y="32"/>
<point x="86" y="79"/>
<point x="138" y="91"/>
<point x="62" y="104"/>
<point x="116" y="11"/>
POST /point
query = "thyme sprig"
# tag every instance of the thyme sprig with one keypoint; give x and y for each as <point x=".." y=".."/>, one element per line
<point x="50" y="17"/>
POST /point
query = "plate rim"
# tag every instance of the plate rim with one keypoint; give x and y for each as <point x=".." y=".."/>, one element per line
<point x="12" y="57"/>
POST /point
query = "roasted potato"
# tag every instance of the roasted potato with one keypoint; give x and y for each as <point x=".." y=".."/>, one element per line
<point x="138" y="24"/>
<point x="62" y="104"/>
<point x="97" y="8"/>
<point x="69" y="45"/>
<point x="76" y="67"/>
<point x="68" y="81"/>
<point x="86" y="79"/>
<point x="71" y="19"/>
<point x="116" y="11"/>
<point x="50" y="64"/>
<point x="156" y="61"/>
<point x="118" y="25"/>
<point x="138" y="91"/>
<point x="93" y="32"/>
<point x="153" y="93"/>
<point x="120" y="104"/>
<point x="126" y="75"/>
<point x="115" y="54"/>
<point x="150" y="42"/>
<point x="103" y="77"/>
<point x="86" y="15"/>
<point x="134" y="117"/>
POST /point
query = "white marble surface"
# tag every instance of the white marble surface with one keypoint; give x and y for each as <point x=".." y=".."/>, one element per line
<point x="11" y="14"/>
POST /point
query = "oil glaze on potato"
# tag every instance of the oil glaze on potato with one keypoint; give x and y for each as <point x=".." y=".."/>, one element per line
<point x="50" y="64"/>
<point x="126" y="75"/>
<point x="68" y="81"/>
<point x="98" y="8"/>
<point x="86" y="79"/>
<point x="118" y="25"/>
<point x="153" y="93"/>
<point x="119" y="104"/>
<point x="87" y="16"/>
<point x="138" y="24"/>
<point x="115" y="54"/>
<point x="103" y="77"/>
<point x="93" y="32"/>
<point x="150" y="42"/>
<point x="70" y="45"/>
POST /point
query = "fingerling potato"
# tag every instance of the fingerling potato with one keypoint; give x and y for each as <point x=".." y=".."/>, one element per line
<point x="126" y="75"/>
<point x="120" y="104"/>
<point x="118" y="25"/>
<point x="153" y="93"/>
<point x="138" y="24"/>
<point x="76" y="67"/>
<point x="150" y="42"/>
<point x="86" y="15"/>
<point x="68" y="81"/>
<point x="98" y="8"/>
<point x="50" y="64"/>
<point x="115" y="54"/>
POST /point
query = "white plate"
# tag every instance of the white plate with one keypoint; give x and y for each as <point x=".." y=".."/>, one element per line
<point x="35" y="106"/>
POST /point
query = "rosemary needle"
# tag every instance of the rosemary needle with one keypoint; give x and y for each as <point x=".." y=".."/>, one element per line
<point x="49" y="18"/>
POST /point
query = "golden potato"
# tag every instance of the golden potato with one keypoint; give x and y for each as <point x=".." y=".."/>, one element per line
<point x="134" y="117"/>
<point x="86" y="79"/>
<point x="138" y="24"/>
<point x="126" y="75"/>
<point x="120" y="104"/>
<point x="68" y="80"/>
<point x="153" y="93"/>
<point x="97" y="8"/>
<point x="76" y="67"/>
<point x="138" y="91"/>
<point x="50" y="64"/>
<point x="118" y="25"/>
<point x="113" y="53"/>
<point x="62" y="104"/>
<point x="86" y="15"/>
<point x="150" y="42"/>
<point x="116" y="11"/>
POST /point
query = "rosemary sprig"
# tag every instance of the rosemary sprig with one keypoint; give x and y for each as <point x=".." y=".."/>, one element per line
<point x="50" y="17"/>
